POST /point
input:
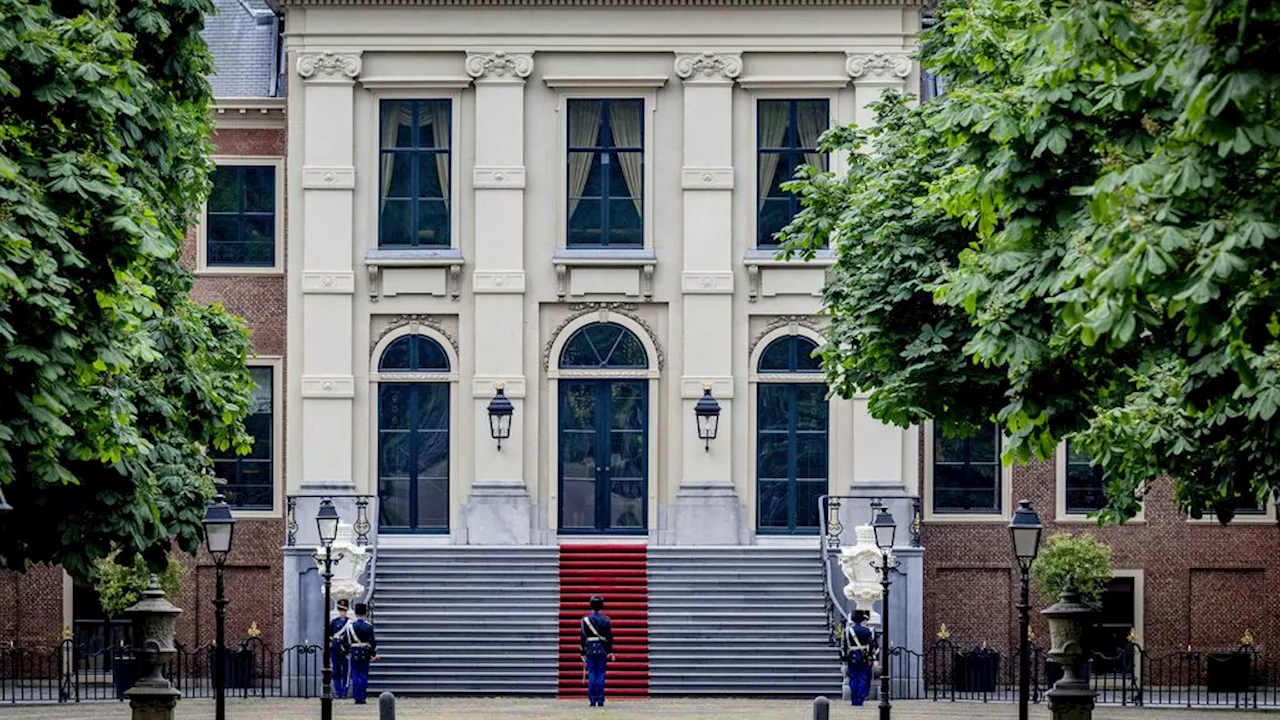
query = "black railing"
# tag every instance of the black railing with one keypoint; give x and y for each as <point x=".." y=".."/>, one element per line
<point x="361" y="526"/>
<point x="72" y="672"/>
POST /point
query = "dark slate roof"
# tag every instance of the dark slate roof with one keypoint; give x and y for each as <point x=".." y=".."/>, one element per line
<point x="242" y="35"/>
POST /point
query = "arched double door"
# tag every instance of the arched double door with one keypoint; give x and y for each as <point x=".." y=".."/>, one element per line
<point x="603" y="431"/>
<point x="413" y="436"/>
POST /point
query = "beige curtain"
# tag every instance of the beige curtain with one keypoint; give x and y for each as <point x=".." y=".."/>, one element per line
<point x="812" y="121"/>
<point x="624" y="120"/>
<point x="773" y="126"/>
<point x="437" y="114"/>
<point x="394" y="116"/>
<point x="584" y="127"/>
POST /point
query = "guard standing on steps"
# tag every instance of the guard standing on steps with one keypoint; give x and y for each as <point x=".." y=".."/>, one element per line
<point x="363" y="649"/>
<point x="338" y="650"/>
<point x="859" y="657"/>
<point x="596" y="645"/>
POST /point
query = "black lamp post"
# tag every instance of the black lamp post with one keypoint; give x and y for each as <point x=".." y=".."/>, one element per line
<point x="885" y="528"/>
<point x="1024" y="530"/>
<point x="219" y="529"/>
<point x="327" y="523"/>
<point x="500" y="412"/>
<point x="707" y="411"/>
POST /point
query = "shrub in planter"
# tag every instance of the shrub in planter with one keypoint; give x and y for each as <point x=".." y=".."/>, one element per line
<point x="119" y="585"/>
<point x="1076" y="564"/>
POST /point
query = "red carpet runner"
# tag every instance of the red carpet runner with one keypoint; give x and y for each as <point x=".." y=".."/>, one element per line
<point x="620" y="574"/>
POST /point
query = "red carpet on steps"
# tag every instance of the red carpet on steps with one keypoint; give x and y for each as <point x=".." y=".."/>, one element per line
<point x="620" y="574"/>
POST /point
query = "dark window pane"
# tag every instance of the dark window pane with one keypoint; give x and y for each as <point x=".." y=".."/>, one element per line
<point x="433" y="223"/>
<point x="774" y="215"/>
<point x="429" y="355"/>
<point x="432" y="406"/>
<point x="585" y="222"/>
<point x="584" y="123"/>
<point x="579" y="404"/>
<point x="1085" y="485"/>
<point x="433" y="504"/>
<point x="811" y="407"/>
<point x="624" y="223"/>
<point x="413" y="444"/>
<point x="260" y="189"/>
<point x="626" y="454"/>
<point x="773" y="123"/>
<point x="393" y="406"/>
<point x="397" y="175"/>
<point x="394" y="225"/>
<point x="395" y="458"/>
<point x="787" y="133"/>
<point x="776" y="357"/>
<point x="811" y="455"/>
<point x="397" y="124"/>
<point x="615" y="178"/>
<point x="603" y="345"/>
<point x="223" y="231"/>
<point x="249" y="480"/>
<point x="807" y="494"/>
<point x="806" y="360"/>
<point x="626" y="504"/>
<point x="793" y="353"/>
<point x="226" y="193"/>
<point x="966" y="472"/>
<point x="433" y="175"/>
<point x="396" y="356"/>
<point x="433" y="124"/>
<point x="774" y="504"/>
<point x="626" y="400"/>
<point x="417" y="174"/>
<point x="578" y="454"/>
<point x="393" y="502"/>
<point x="773" y="406"/>
<point x="773" y="456"/>
<point x="578" y="503"/>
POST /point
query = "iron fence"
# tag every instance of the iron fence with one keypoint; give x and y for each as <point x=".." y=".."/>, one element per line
<point x="1131" y="676"/>
<point x="73" y="672"/>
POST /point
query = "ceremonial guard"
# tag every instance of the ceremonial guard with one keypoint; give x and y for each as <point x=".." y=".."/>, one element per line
<point x="362" y="649"/>
<point x="859" y="657"/>
<point x="596" y="646"/>
<point x="338" y="650"/>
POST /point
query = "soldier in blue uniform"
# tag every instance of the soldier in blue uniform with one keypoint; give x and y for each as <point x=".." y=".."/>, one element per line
<point x="595" y="642"/>
<point x="338" y="650"/>
<point x="859" y="657"/>
<point x="363" y="649"/>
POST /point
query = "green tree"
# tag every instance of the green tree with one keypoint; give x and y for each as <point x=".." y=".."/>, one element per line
<point x="114" y="381"/>
<point x="1089" y="215"/>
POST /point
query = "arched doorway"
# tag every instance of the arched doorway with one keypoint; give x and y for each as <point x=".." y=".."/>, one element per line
<point x="413" y="436"/>
<point x="603" y="431"/>
<point x="792" y="421"/>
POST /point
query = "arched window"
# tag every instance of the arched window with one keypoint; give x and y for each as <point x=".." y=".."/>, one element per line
<point x="604" y="432"/>
<point x="791" y="437"/>
<point x="413" y="438"/>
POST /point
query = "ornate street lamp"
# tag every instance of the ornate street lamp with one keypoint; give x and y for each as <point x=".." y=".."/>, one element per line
<point x="500" y="412"/>
<point x="1024" y="530"/>
<point x="707" y="411"/>
<point x="885" y="528"/>
<point x="219" y="529"/>
<point x="327" y="524"/>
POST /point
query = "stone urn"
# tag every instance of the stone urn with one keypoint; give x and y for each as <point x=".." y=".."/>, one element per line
<point x="154" y="617"/>
<point x="349" y="563"/>
<point x="1071" y="697"/>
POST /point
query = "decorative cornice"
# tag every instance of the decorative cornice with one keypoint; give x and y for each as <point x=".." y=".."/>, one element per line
<point x="499" y="65"/>
<point x="330" y="65"/>
<point x="413" y="322"/>
<point x="616" y="3"/>
<point x="878" y="65"/>
<point x="708" y="66"/>
<point x="794" y="321"/>
<point x="578" y="310"/>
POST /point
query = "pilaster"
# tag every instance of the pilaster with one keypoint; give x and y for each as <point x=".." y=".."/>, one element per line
<point x="326" y="292"/>
<point x="708" y="511"/>
<point x="872" y="73"/>
<point x="499" y="509"/>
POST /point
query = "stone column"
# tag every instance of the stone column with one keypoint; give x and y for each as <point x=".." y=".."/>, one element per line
<point x="872" y="73"/>
<point x="708" y="511"/>
<point x="326" y="352"/>
<point x="499" y="510"/>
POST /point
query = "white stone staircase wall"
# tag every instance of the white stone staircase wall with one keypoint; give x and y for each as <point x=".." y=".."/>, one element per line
<point x="739" y="621"/>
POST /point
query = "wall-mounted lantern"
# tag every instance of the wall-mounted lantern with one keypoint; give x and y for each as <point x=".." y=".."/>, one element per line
<point x="707" y="412"/>
<point x="500" y="412"/>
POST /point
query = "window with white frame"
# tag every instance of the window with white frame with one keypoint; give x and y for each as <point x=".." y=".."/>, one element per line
<point x="605" y="173"/>
<point x="248" y="481"/>
<point x="415" y="148"/>
<point x="967" y="476"/>
<point x="1085" y="487"/>
<point x="787" y="134"/>
<point x="241" y="223"/>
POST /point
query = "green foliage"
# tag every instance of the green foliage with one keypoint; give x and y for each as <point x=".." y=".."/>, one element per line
<point x="1079" y="563"/>
<point x="1076" y="240"/>
<point x="115" y="381"/>
<point x="119" y="585"/>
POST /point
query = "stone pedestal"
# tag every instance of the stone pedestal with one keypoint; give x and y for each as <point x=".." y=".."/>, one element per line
<point x="1071" y="697"/>
<point x="499" y="512"/>
<point x="709" y="514"/>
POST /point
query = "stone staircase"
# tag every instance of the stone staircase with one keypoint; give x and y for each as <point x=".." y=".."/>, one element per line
<point x="739" y="621"/>
<point x="465" y="620"/>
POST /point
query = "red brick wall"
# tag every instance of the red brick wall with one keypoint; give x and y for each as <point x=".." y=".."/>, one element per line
<point x="1205" y="584"/>
<point x="253" y="583"/>
<point x="34" y="606"/>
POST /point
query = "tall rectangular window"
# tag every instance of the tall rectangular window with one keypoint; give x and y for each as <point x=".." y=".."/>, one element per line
<point x="787" y="134"/>
<point x="1086" y="490"/>
<point x="966" y="472"/>
<point x="1247" y="503"/>
<point x="414" y="174"/>
<point x="606" y="173"/>
<point x="249" y="480"/>
<point x="240" y="221"/>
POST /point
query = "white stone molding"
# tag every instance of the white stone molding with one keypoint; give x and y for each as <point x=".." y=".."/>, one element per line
<point x="503" y="177"/>
<point x="708" y="66"/>
<point x="602" y="311"/>
<point x="328" y="386"/>
<point x="483" y="386"/>
<point x="605" y="81"/>
<point x="338" y="282"/>
<point x="250" y="112"/>
<point x="500" y="66"/>
<point x="706" y="178"/>
<point x="878" y="66"/>
<point x="511" y="281"/>
<point x="450" y="259"/>
<point x="793" y="82"/>
<point x="315" y="177"/>
<point x="412" y="325"/>
<point x="692" y="387"/>
<point x="856" y="562"/>
<point x="792" y="325"/>
<point x="706" y="283"/>
<point x="331" y="66"/>
<point x="414" y="82"/>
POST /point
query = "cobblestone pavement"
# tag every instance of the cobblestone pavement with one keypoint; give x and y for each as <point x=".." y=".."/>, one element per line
<point x="517" y="709"/>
